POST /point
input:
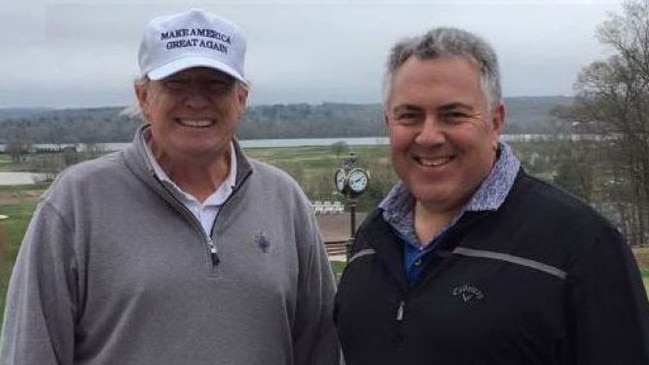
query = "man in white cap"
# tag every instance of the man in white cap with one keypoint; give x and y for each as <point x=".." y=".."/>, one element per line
<point x="179" y="249"/>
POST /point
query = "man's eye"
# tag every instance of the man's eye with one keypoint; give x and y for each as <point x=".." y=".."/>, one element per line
<point x="174" y="84"/>
<point x="219" y="84"/>
<point x="407" y="117"/>
<point x="456" y="117"/>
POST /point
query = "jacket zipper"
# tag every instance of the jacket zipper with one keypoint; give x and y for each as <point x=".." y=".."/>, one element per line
<point x="213" y="255"/>
<point x="397" y="335"/>
<point x="210" y="243"/>
<point x="400" y="310"/>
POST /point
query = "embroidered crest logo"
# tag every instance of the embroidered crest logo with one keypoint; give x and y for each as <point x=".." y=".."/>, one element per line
<point x="262" y="242"/>
<point x="467" y="292"/>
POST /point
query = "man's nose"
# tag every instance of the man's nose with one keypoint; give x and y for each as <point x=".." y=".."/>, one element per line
<point x="431" y="132"/>
<point x="197" y="96"/>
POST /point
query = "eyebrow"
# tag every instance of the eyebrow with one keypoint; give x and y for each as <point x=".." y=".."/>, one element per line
<point x="454" y="106"/>
<point x="406" y="107"/>
<point x="443" y="108"/>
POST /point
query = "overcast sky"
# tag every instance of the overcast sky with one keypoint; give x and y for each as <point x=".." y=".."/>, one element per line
<point x="84" y="53"/>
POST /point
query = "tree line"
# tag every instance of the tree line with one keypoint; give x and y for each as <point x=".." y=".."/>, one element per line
<point x="328" y="120"/>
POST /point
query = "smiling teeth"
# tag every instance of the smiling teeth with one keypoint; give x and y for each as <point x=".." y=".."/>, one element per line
<point x="196" y="123"/>
<point x="434" y="161"/>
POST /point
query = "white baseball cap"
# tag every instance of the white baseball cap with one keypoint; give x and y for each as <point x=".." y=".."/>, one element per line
<point x="194" y="38"/>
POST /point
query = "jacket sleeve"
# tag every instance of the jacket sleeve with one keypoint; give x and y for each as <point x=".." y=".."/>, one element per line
<point x="611" y="315"/>
<point x="39" y="316"/>
<point x="315" y="341"/>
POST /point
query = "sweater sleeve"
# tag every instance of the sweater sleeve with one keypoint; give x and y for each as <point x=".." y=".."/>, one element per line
<point x="611" y="315"/>
<point x="39" y="316"/>
<point x="315" y="341"/>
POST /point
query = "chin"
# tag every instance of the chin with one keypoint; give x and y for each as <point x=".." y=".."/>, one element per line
<point x="436" y="197"/>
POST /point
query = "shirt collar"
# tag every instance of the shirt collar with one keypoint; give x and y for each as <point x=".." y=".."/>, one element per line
<point x="399" y="204"/>
<point x="492" y="192"/>
<point x="217" y="198"/>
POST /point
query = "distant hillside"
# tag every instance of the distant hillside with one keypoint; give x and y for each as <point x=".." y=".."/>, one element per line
<point x="531" y="115"/>
<point x="524" y="115"/>
<point x="11" y="113"/>
<point x="312" y="121"/>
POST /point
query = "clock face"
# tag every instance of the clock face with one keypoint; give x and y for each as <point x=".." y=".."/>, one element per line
<point x="357" y="180"/>
<point x="340" y="180"/>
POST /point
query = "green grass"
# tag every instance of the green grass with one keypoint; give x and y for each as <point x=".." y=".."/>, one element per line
<point x="20" y="188"/>
<point x="6" y="164"/>
<point x="15" y="226"/>
<point x="313" y="158"/>
<point x="338" y="267"/>
<point x="12" y="231"/>
<point x="313" y="168"/>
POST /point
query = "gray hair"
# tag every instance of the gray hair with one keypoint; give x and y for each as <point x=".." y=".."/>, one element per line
<point x="133" y="110"/>
<point x="448" y="42"/>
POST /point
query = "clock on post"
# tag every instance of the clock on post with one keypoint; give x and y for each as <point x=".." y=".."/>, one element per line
<point x="357" y="180"/>
<point x="351" y="179"/>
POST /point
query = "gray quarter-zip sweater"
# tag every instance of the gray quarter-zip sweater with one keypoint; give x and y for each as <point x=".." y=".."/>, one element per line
<point x="114" y="270"/>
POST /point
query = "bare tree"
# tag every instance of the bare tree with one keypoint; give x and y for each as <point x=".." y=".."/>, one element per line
<point x="18" y="148"/>
<point x="612" y="100"/>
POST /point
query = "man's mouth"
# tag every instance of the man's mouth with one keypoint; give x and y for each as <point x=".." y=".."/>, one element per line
<point x="433" y="161"/>
<point x="196" y="123"/>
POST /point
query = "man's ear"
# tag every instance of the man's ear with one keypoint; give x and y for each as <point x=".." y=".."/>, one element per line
<point x="386" y="122"/>
<point x="498" y="118"/>
<point x="497" y="123"/>
<point x="242" y="98"/>
<point x="242" y="95"/>
<point x="142" y="93"/>
<point x="386" y="119"/>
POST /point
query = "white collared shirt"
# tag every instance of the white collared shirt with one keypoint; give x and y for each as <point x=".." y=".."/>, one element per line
<point x="206" y="211"/>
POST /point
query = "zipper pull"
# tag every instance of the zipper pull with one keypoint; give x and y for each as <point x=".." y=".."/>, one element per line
<point x="400" y="310"/>
<point x="213" y="255"/>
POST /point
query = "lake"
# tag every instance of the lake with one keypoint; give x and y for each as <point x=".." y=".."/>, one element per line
<point x="250" y="143"/>
<point x="301" y="142"/>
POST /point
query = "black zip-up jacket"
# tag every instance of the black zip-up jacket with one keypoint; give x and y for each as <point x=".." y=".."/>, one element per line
<point x="542" y="280"/>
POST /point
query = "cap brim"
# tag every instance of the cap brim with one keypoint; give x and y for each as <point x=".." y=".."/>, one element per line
<point x="185" y="63"/>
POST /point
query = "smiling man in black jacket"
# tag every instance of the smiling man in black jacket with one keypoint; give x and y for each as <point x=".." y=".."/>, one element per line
<point x="469" y="260"/>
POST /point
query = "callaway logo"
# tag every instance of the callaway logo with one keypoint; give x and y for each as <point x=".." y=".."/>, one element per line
<point x="467" y="292"/>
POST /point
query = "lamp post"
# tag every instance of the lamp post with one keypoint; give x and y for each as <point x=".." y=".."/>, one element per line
<point x="352" y="179"/>
<point x="352" y="217"/>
